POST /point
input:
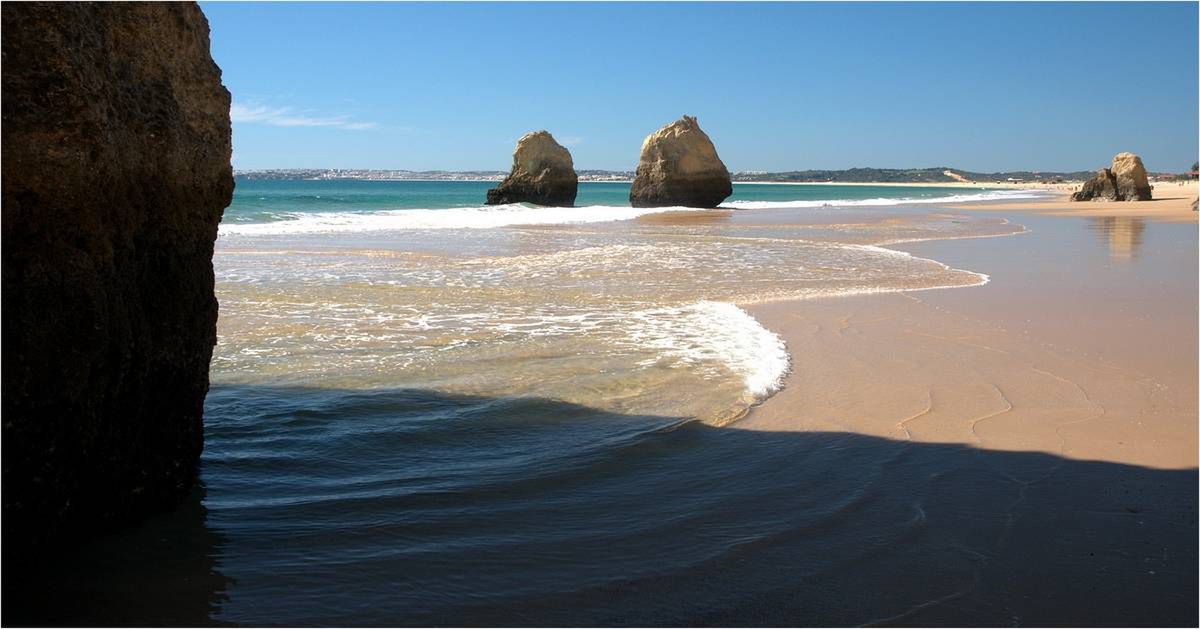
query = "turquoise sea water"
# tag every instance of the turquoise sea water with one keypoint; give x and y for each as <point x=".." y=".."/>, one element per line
<point x="274" y="200"/>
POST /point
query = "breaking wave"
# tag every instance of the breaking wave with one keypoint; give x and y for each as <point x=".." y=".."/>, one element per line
<point x="482" y="217"/>
<point x="996" y="195"/>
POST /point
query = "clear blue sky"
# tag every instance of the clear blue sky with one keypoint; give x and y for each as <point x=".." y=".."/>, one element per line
<point x="777" y="86"/>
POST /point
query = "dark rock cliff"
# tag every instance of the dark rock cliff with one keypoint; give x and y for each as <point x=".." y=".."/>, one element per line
<point x="116" y="171"/>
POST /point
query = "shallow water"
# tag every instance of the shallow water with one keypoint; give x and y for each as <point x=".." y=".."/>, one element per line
<point x="517" y="425"/>
<point x="421" y="422"/>
<point x="633" y="317"/>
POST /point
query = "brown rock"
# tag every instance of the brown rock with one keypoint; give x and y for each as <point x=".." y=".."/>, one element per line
<point x="542" y="173"/>
<point x="1130" y="175"/>
<point x="116" y="149"/>
<point x="1125" y="180"/>
<point x="1102" y="187"/>
<point x="679" y="166"/>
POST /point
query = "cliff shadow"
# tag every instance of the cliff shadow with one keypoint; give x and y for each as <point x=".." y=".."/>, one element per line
<point x="161" y="572"/>
<point x="413" y="507"/>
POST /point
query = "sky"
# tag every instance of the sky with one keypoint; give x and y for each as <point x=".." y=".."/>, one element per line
<point x="981" y="87"/>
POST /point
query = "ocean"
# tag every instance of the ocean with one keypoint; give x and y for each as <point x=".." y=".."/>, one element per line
<point x="353" y="285"/>
<point x="305" y="206"/>
<point x="426" y="411"/>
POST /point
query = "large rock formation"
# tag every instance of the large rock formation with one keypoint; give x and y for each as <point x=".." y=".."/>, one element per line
<point x="542" y="173"/>
<point x="679" y="166"/>
<point x="116" y="149"/>
<point x="1125" y="180"/>
<point x="1130" y="175"/>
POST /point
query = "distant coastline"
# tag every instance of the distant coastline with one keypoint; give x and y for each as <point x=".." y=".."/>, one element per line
<point x="947" y="177"/>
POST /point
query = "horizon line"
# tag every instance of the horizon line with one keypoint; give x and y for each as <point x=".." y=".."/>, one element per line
<point x="731" y="172"/>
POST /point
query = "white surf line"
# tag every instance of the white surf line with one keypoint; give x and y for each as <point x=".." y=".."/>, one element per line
<point x="998" y="195"/>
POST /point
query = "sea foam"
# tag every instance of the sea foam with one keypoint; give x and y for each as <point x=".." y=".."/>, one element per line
<point x="994" y="195"/>
<point x="486" y="217"/>
<point x="482" y="217"/>
<point x="710" y="332"/>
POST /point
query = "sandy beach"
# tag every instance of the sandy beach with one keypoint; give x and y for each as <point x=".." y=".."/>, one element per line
<point x="1083" y="344"/>
<point x="1172" y="200"/>
<point x="310" y="324"/>
<point x="1172" y="203"/>
<point x="1082" y="347"/>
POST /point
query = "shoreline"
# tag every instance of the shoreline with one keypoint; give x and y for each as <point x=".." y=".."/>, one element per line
<point x="912" y="184"/>
<point x="815" y="332"/>
<point x="901" y="184"/>
<point x="1173" y="203"/>
<point x="1079" y="353"/>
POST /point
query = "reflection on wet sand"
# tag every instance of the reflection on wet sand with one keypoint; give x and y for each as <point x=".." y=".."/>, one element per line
<point x="1122" y="233"/>
<point x="704" y="217"/>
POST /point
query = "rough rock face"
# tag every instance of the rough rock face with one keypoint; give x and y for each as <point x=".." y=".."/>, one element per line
<point x="542" y="173"/>
<point x="679" y="166"/>
<point x="1132" y="183"/>
<point x="1125" y="180"/>
<point x="1102" y="187"/>
<point x="116" y="149"/>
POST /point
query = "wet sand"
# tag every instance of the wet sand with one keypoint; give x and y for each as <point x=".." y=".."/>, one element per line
<point x="1083" y="344"/>
<point x="1083" y="347"/>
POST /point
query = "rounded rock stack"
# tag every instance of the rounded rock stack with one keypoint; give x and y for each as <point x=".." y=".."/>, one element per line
<point x="1130" y="174"/>
<point x="679" y="166"/>
<point x="542" y="173"/>
<point x="1125" y="180"/>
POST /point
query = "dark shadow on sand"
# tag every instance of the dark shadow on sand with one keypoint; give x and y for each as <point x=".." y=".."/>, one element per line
<point x="161" y="572"/>
<point x="685" y="526"/>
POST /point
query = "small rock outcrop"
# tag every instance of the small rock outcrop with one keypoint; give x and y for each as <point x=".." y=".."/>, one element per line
<point x="1125" y="180"/>
<point x="116" y="171"/>
<point x="679" y="166"/>
<point x="542" y="173"/>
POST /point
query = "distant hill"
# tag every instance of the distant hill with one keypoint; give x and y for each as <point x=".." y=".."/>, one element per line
<point x="936" y="175"/>
<point x="371" y="175"/>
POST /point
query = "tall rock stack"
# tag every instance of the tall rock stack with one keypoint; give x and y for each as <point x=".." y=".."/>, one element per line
<point x="542" y="173"/>
<point x="679" y="166"/>
<point x="1125" y="180"/>
<point x="116" y="149"/>
<point x="1130" y="175"/>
